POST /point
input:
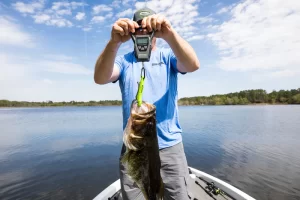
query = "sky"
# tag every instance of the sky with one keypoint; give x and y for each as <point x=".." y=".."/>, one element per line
<point x="48" y="49"/>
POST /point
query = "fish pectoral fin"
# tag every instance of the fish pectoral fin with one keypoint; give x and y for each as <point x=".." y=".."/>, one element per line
<point x="135" y="136"/>
<point x="130" y="146"/>
<point x="132" y="135"/>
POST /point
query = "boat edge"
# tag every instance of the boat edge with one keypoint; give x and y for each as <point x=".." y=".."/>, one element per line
<point x="109" y="191"/>
<point x="222" y="185"/>
<point x="231" y="190"/>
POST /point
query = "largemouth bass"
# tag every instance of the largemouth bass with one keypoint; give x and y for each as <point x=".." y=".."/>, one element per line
<point x="142" y="151"/>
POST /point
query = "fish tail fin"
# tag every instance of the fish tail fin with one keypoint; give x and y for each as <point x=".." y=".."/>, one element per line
<point x="145" y="195"/>
<point x="161" y="190"/>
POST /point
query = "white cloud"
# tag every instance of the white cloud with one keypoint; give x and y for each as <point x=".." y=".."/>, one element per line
<point x="12" y="69"/>
<point x="15" y="67"/>
<point x="285" y="73"/>
<point x="101" y="8"/>
<point x="42" y="18"/>
<point x="28" y="7"/>
<point x="260" y="35"/>
<point x="60" y="22"/>
<point x="75" y="5"/>
<point x="67" y="5"/>
<point x="64" y="67"/>
<point x="125" y="13"/>
<point x="175" y="11"/>
<point x="80" y="16"/>
<point x="52" y="20"/>
<point x="97" y="19"/>
<point x="65" y="8"/>
<point x="196" y="37"/>
<point x="58" y="90"/>
<point x="58" y="57"/>
<point x="225" y="9"/>
<point x="212" y="27"/>
<point x="128" y="2"/>
<point x="53" y="16"/>
<point x="109" y="15"/>
<point x="116" y="4"/>
<point x="12" y="34"/>
<point x="86" y="29"/>
<point x="64" y="12"/>
<point x="26" y="79"/>
<point x="47" y="81"/>
<point x="203" y="20"/>
<point x="58" y="5"/>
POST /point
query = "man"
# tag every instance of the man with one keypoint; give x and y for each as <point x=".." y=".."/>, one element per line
<point x="160" y="88"/>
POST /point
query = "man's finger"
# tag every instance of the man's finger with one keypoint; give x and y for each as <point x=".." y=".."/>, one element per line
<point x="130" y="23"/>
<point x="148" y="24"/>
<point x="124" y="25"/>
<point x="154" y="23"/>
<point x="144" y="22"/>
<point x="118" y="29"/>
<point x="123" y="19"/>
<point x="159" y="22"/>
<point x="136" y="24"/>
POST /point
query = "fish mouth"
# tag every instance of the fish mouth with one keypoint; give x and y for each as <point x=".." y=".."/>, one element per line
<point x="142" y="118"/>
<point x="144" y="111"/>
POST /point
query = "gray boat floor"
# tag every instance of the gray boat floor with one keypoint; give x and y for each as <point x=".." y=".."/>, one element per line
<point x="195" y="192"/>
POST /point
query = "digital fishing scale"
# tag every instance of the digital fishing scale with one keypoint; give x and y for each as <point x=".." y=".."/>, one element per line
<point x="142" y="46"/>
<point x="142" y="51"/>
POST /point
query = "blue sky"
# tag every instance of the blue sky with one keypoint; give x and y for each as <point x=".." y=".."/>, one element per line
<point x="49" y="48"/>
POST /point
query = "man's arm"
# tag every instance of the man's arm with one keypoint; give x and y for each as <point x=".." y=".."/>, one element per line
<point x="187" y="60"/>
<point x="105" y="70"/>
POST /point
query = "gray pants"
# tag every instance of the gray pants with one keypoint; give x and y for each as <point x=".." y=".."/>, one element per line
<point x="174" y="172"/>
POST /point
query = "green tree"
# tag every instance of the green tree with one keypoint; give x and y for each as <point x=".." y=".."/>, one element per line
<point x="296" y="99"/>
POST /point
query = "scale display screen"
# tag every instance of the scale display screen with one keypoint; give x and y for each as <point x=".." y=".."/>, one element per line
<point x="142" y="40"/>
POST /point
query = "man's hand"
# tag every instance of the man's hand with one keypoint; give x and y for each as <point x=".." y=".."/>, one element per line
<point x="187" y="60"/>
<point x="105" y="70"/>
<point x="158" y="23"/>
<point x="121" y="30"/>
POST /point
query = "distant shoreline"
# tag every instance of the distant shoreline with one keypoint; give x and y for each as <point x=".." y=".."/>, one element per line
<point x="257" y="104"/>
<point x="245" y="97"/>
<point x="254" y="104"/>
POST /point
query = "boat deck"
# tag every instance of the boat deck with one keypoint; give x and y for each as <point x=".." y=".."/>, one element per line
<point x="197" y="190"/>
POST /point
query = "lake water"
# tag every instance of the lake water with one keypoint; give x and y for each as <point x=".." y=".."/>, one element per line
<point x="72" y="152"/>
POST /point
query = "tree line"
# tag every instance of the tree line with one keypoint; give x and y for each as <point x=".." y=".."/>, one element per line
<point x="245" y="97"/>
<point x="237" y="98"/>
<point x="6" y="103"/>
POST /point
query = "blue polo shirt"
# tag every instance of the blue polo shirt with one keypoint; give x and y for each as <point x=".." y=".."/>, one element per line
<point x="160" y="89"/>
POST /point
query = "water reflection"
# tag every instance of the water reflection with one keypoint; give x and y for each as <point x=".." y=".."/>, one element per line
<point x="73" y="174"/>
<point x="256" y="151"/>
<point x="46" y="129"/>
<point x="73" y="152"/>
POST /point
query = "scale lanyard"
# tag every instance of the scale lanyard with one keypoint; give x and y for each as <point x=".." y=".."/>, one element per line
<point x="141" y="86"/>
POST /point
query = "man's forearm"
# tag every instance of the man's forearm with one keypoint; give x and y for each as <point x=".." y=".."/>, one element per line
<point x="105" y="63"/>
<point x="187" y="60"/>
